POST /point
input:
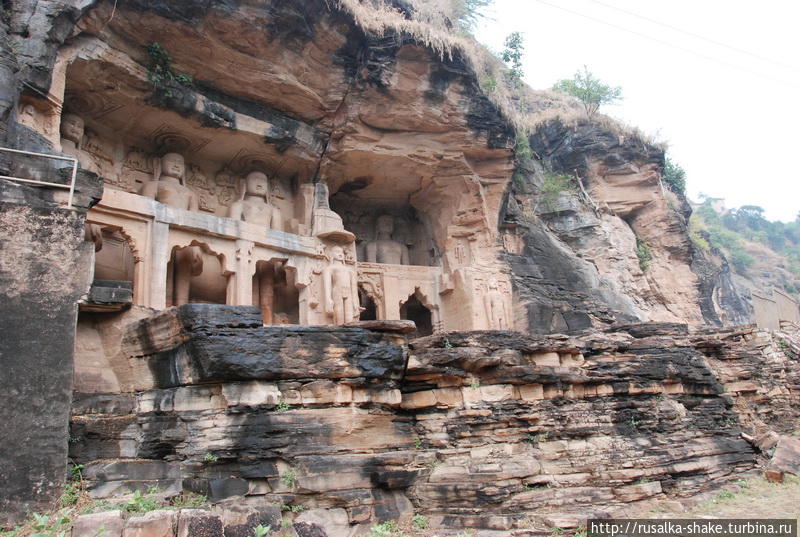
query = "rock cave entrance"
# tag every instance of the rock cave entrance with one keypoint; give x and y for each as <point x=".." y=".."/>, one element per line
<point x="275" y="292"/>
<point x="370" y="312"/>
<point x="414" y="310"/>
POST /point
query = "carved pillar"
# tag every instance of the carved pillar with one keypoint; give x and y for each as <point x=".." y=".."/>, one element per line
<point x="241" y="282"/>
<point x="159" y="257"/>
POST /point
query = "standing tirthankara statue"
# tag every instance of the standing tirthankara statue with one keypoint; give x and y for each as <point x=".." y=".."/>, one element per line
<point x="495" y="303"/>
<point x="72" y="128"/>
<point x="168" y="188"/>
<point x="254" y="206"/>
<point x="340" y="289"/>
<point x="384" y="249"/>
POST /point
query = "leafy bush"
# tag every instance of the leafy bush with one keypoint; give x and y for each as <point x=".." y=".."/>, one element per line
<point x="512" y="55"/>
<point x="674" y="176"/>
<point x="589" y="90"/>
<point x="644" y="253"/>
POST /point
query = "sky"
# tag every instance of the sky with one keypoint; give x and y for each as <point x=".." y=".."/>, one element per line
<point x="726" y="100"/>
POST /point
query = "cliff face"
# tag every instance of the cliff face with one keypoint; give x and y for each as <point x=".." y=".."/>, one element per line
<point x="483" y="429"/>
<point x="392" y="123"/>
<point x="377" y="117"/>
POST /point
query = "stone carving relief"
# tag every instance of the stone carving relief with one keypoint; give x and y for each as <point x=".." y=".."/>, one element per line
<point x="384" y="249"/>
<point x="168" y="185"/>
<point x="255" y="206"/>
<point x="340" y="288"/>
<point x="496" y="302"/>
<point x="72" y="134"/>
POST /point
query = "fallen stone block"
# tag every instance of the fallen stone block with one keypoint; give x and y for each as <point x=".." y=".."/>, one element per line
<point x="152" y="524"/>
<point x="107" y="524"/>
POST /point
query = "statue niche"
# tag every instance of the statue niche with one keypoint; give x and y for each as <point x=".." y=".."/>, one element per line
<point x="340" y="289"/>
<point x="384" y="249"/>
<point x="254" y="206"/>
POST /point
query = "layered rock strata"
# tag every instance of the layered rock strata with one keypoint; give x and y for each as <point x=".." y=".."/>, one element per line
<point x="484" y="429"/>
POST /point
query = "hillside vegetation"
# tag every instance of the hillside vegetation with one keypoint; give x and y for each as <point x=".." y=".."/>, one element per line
<point x="765" y="252"/>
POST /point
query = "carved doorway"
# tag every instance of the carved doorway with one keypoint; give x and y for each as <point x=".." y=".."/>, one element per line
<point x="414" y="310"/>
<point x="275" y="292"/>
<point x="370" y="312"/>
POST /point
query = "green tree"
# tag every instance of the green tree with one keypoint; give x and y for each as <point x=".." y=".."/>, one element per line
<point x="467" y="13"/>
<point x="589" y="90"/>
<point x="512" y="55"/>
<point x="674" y="176"/>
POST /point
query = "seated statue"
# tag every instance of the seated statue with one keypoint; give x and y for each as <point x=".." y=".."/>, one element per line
<point x="72" y="128"/>
<point x="254" y="205"/>
<point x="383" y="249"/>
<point x="168" y="187"/>
<point x="340" y="289"/>
<point x="326" y="224"/>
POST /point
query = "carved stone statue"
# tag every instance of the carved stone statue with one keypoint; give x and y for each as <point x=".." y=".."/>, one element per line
<point x="340" y="289"/>
<point x="254" y="207"/>
<point x="383" y="249"/>
<point x="72" y="128"/>
<point x="186" y="262"/>
<point x="326" y="224"/>
<point x="168" y="187"/>
<point x="495" y="304"/>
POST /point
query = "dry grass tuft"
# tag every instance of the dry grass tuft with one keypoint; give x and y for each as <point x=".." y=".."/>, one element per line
<point x="432" y="23"/>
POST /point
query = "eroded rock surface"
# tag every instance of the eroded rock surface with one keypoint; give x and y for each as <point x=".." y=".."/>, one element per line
<point x="483" y="429"/>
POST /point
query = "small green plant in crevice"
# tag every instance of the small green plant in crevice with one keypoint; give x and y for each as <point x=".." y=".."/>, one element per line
<point x="70" y="496"/>
<point x="446" y="343"/>
<point x="261" y="531"/>
<point x="142" y="503"/>
<point x="723" y="496"/>
<point x="644" y="253"/>
<point x="76" y="472"/>
<point x="434" y="464"/>
<point x="557" y="531"/>
<point x="189" y="499"/>
<point x="474" y="384"/>
<point x="580" y="532"/>
<point x="553" y="184"/>
<point x="633" y="422"/>
<point x="293" y="508"/>
<point x="385" y="529"/>
<point x="535" y="438"/>
<point x="418" y="443"/>
<point x="210" y="457"/>
<point x="282" y="406"/>
<point x="289" y="478"/>
<point x="419" y="521"/>
<point x="522" y="147"/>
<point x="160" y="73"/>
<point x="742" y="483"/>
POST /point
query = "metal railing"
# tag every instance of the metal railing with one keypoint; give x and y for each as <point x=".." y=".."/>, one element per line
<point x="70" y="186"/>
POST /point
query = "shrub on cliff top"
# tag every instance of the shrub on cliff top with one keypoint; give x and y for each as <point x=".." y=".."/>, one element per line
<point x="589" y="90"/>
<point x="674" y="176"/>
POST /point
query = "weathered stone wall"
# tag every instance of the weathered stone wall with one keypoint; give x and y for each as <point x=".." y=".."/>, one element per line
<point x="484" y="429"/>
<point x="45" y="268"/>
